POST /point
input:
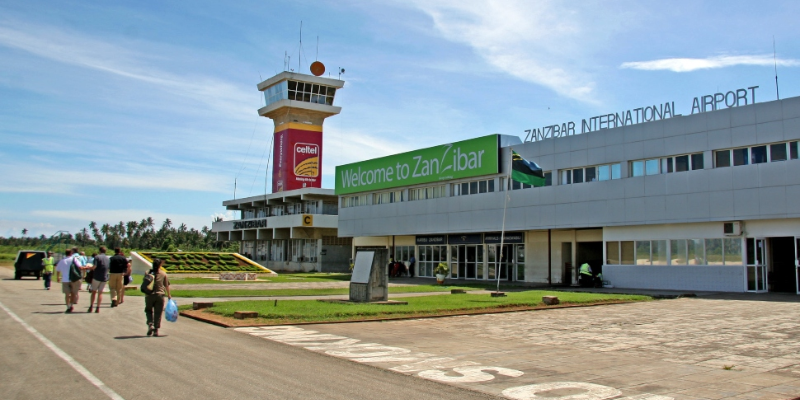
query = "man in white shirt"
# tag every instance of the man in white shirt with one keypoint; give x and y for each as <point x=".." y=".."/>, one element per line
<point x="69" y="287"/>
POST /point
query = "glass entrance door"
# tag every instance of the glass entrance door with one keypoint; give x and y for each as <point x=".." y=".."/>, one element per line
<point x="466" y="261"/>
<point x="797" y="262"/>
<point x="756" y="268"/>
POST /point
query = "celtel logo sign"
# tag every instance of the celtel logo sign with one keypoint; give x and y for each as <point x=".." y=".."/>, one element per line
<point x="306" y="159"/>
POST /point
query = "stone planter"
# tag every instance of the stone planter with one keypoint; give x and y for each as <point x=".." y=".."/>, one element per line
<point x="440" y="278"/>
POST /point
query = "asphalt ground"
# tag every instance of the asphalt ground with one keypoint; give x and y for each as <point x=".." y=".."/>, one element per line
<point x="192" y="360"/>
<point x="716" y="346"/>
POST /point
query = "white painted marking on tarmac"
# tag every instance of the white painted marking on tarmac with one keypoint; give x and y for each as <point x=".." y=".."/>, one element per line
<point x="588" y="391"/>
<point x="430" y="366"/>
<point x="470" y="374"/>
<point x="64" y="356"/>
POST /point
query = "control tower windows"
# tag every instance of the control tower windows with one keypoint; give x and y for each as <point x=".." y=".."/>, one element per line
<point x="311" y="92"/>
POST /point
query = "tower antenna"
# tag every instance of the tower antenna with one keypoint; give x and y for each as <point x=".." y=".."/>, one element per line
<point x="300" y="48"/>
<point x="316" y="58"/>
<point x="775" y="60"/>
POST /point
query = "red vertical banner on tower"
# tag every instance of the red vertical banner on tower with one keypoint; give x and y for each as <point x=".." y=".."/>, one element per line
<point x="298" y="158"/>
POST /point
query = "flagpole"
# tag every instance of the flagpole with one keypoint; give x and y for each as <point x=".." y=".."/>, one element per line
<point x="505" y="206"/>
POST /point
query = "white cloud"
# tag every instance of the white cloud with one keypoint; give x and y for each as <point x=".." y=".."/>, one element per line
<point x="32" y="178"/>
<point x="543" y="42"/>
<point x="694" y="64"/>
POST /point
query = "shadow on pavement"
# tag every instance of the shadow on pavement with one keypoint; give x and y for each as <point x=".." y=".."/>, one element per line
<point x="130" y="337"/>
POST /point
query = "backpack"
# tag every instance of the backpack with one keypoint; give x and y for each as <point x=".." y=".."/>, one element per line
<point x="74" y="271"/>
<point x="148" y="283"/>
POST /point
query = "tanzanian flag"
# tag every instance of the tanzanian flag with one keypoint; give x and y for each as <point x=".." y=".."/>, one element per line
<point x="525" y="171"/>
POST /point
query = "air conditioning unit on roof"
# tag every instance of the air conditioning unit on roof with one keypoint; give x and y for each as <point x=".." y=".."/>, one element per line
<point x="733" y="228"/>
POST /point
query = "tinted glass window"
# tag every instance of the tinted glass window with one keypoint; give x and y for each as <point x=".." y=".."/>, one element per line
<point x="722" y="158"/>
<point x="669" y="165"/>
<point x="697" y="161"/>
<point x="681" y="163"/>
<point x="548" y="179"/>
<point x="777" y="152"/>
<point x="793" y="150"/>
<point x="758" y="154"/>
<point x="615" y="171"/>
<point x="577" y="175"/>
<point x="590" y="172"/>
<point x="740" y="157"/>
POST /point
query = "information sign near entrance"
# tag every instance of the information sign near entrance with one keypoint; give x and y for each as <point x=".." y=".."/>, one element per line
<point x="370" y="280"/>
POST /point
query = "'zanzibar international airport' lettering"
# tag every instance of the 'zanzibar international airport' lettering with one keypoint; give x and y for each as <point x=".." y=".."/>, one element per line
<point x="700" y="104"/>
<point x="261" y="223"/>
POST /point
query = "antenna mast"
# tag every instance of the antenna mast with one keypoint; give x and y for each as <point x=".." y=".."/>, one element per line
<point x="775" y="60"/>
<point x="300" y="48"/>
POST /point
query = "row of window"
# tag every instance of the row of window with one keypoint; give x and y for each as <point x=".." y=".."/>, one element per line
<point x="424" y="193"/>
<point x="297" y="250"/>
<point x="388" y="197"/>
<point x="300" y="91"/>
<point x="304" y="207"/>
<point x="474" y="187"/>
<point x="680" y="163"/>
<point x="756" y="154"/>
<point x="591" y="174"/>
<point x="726" y="251"/>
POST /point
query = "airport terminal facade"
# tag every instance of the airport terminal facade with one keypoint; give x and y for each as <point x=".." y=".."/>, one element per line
<point x="707" y="201"/>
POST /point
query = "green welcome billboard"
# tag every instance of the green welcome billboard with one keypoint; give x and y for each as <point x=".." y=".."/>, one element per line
<point x="468" y="158"/>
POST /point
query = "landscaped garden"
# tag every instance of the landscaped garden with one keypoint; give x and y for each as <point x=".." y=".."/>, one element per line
<point x="202" y="262"/>
<point x="298" y="311"/>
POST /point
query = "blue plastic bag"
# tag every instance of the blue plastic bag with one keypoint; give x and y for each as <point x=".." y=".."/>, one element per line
<point x="171" y="311"/>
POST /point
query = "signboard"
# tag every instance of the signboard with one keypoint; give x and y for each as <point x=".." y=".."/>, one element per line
<point x="363" y="267"/>
<point x="472" y="238"/>
<point x="298" y="157"/>
<point x="510" y="237"/>
<point x="433" y="239"/>
<point x="259" y="223"/>
<point x="468" y="158"/>
<point x="308" y="220"/>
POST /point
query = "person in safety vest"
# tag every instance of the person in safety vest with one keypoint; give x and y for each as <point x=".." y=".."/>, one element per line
<point x="49" y="266"/>
<point x="586" y="277"/>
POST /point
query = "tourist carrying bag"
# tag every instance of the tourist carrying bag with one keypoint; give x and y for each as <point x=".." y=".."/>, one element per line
<point x="148" y="282"/>
<point x="171" y="311"/>
<point x="74" y="271"/>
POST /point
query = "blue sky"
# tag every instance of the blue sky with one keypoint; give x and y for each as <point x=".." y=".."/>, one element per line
<point x="116" y="111"/>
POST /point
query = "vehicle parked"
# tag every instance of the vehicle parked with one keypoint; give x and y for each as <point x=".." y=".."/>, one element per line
<point x="29" y="263"/>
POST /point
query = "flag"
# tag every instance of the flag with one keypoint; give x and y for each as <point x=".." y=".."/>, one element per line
<point x="525" y="171"/>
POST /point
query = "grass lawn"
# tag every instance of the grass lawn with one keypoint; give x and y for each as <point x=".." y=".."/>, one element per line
<point x="295" y="311"/>
<point x="282" y="278"/>
<point x="305" y="292"/>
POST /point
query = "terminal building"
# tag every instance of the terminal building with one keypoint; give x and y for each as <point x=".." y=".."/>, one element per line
<point x="293" y="228"/>
<point x="706" y="201"/>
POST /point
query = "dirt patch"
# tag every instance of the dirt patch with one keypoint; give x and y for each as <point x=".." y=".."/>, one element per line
<point x="229" y="322"/>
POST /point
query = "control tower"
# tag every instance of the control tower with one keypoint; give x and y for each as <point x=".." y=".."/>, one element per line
<point x="298" y="105"/>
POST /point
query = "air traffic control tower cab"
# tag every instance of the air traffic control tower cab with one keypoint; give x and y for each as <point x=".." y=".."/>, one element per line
<point x="298" y="105"/>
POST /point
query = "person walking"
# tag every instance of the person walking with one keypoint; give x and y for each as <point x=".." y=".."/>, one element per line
<point x="117" y="267"/>
<point x="69" y="271"/>
<point x="49" y="267"/>
<point x="411" y="264"/>
<point x="154" y="302"/>
<point x="99" y="278"/>
<point x="586" y="278"/>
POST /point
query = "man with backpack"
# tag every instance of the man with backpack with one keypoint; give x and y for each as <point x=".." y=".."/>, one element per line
<point x="99" y="278"/>
<point x="69" y="273"/>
